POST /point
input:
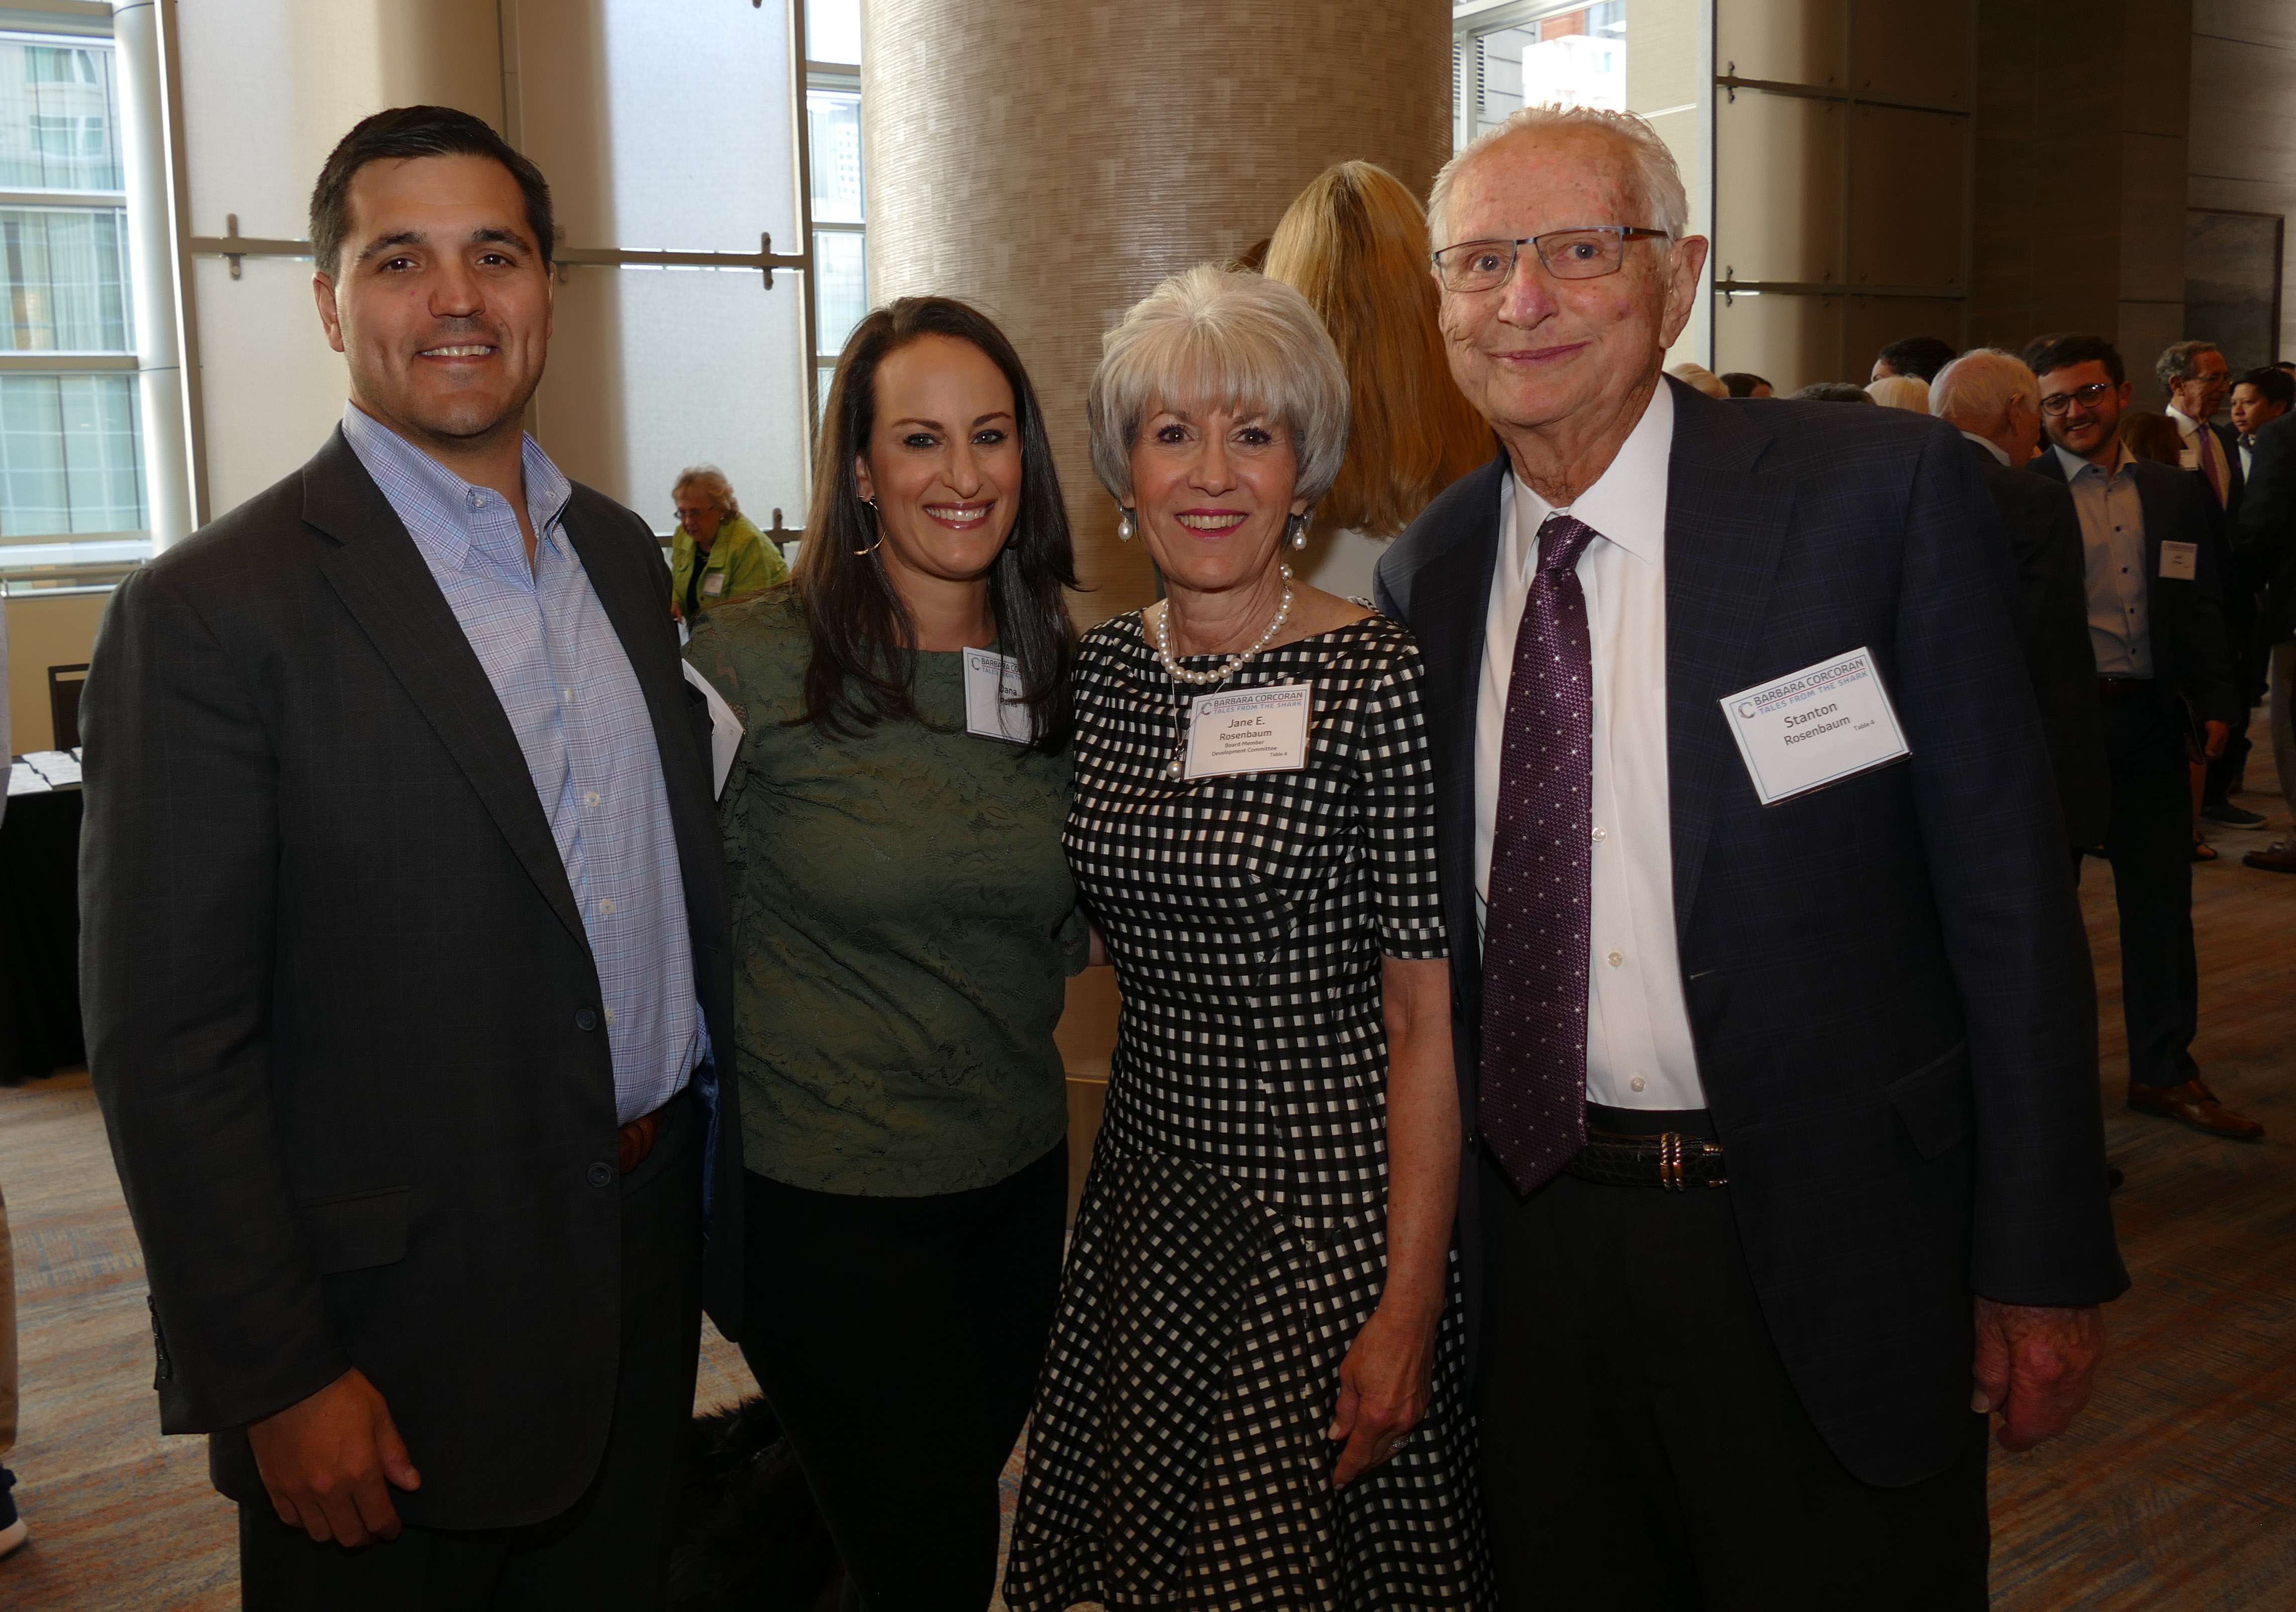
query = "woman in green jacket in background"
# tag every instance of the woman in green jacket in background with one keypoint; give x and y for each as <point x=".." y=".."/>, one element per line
<point x="718" y="554"/>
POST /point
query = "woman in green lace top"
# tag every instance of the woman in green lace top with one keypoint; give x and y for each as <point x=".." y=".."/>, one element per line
<point x="904" y="925"/>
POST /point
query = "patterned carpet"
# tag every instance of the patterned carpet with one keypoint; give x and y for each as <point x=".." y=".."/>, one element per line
<point x="2177" y="1491"/>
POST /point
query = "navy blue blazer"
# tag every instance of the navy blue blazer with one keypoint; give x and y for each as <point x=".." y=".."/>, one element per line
<point x="2192" y="646"/>
<point x="1888" y="980"/>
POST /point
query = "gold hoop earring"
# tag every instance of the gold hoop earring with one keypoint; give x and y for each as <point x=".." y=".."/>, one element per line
<point x="877" y="521"/>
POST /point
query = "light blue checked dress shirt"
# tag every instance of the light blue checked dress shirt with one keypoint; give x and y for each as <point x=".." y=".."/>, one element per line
<point x="572" y="700"/>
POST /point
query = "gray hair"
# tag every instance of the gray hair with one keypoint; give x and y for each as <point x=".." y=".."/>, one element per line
<point x="1657" y="179"/>
<point x="1975" y="390"/>
<point x="713" y="484"/>
<point x="2175" y="362"/>
<point x="1209" y="337"/>
<point x="1909" y="392"/>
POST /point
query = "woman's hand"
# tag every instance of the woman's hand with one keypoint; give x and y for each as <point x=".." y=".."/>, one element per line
<point x="1386" y="1383"/>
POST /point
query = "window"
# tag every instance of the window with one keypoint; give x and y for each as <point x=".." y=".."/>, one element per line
<point x="1505" y="57"/>
<point x="71" y="462"/>
<point x="840" y="213"/>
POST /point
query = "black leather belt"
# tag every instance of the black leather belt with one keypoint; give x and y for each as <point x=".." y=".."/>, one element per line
<point x="2122" y="688"/>
<point x="1673" y="1162"/>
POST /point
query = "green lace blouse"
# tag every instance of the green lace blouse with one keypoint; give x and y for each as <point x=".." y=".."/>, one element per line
<point x="903" y="924"/>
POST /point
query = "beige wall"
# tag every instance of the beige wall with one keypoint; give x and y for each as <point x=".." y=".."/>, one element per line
<point x="43" y="633"/>
<point x="2081" y="173"/>
<point x="1053" y="161"/>
<point x="2242" y="153"/>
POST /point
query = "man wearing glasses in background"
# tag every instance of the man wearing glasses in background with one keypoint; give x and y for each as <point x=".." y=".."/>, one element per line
<point x="2164" y="675"/>
<point x="1776" y="1039"/>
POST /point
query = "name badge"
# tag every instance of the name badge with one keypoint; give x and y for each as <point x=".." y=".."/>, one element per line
<point x="993" y="707"/>
<point x="725" y="729"/>
<point x="2179" y="562"/>
<point x="1249" y="731"/>
<point x="1815" y="727"/>
<point x="714" y="584"/>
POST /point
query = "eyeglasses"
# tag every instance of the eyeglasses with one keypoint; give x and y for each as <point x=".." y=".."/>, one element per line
<point x="2087" y="397"/>
<point x="1581" y="254"/>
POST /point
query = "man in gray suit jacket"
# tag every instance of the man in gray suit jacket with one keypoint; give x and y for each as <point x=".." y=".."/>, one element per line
<point x="1776" y="1037"/>
<point x="405" y="946"/>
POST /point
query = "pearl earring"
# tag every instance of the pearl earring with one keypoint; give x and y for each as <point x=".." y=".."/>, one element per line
<point x="1125" y="530"/>
<point x="1296" y="528"/>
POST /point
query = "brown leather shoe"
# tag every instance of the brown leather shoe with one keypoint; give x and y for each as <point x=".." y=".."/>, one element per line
<point x="2280" y="859"/>
<point x="2193" y="1104"/>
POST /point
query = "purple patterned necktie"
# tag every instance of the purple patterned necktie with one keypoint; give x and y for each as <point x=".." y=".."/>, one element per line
<point x="1537" y="927"/>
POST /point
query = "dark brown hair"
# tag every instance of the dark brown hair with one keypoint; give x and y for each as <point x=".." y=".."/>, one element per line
<point x="864" y="659"/>
<point x="2147" y="435"/>
<point x="416" y="131"/>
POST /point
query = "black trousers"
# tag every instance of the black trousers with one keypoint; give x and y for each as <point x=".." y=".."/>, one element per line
<point x="610" y="1548"/>
<point x="1643" y="1449"/>
<point x="899" y="1340"/>
<point x="2148" y="840"/>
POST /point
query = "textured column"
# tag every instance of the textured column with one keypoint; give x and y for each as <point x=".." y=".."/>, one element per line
<point x="1050" y="161"/>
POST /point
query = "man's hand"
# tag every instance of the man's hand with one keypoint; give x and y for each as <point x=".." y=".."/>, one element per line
<point x="2035" y="1365"/>
<point x="2219" y="734"/>
<point x="325" y="1460"/>
<point x="1386" y="1384"/>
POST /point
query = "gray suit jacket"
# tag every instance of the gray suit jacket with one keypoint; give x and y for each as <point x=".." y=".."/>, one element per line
<point x="341" y="1006"/>
<point x="1887" y="981"/>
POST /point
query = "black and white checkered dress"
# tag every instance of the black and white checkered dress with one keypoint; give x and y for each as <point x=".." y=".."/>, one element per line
<point x="1232" y="1240"/>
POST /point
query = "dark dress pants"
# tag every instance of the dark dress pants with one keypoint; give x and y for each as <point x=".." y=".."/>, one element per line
<point x="1643" y="1449"/>
<point x="899" y="1340"/>
<point x="2149" y="842"/>
<point x="610" y="1548"/>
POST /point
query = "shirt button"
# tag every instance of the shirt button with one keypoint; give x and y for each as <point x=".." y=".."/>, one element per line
<point x="584" y="1019"/>
<point x="610" y="1018"/>
<point x="601" y="1174"/>
<point x="606" y="909"/>
<point x="1602" y="834"/>
<point x="474" y="499"/>
<point x="566" y="694"/>
<point x="591" y="799"/>
<point x="1616" y="959"/>
<point x="1638" y="1083"/>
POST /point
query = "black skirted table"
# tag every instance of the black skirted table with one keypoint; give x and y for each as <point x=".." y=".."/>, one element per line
<point x="39" y="935"/>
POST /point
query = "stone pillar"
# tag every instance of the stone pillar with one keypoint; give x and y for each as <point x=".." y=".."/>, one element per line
<point x="1051" y="160"/>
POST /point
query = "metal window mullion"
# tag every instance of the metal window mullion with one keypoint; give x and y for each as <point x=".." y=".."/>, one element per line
<point x="801" y="146"/>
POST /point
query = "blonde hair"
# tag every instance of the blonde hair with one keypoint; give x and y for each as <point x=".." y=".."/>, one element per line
<point x="1354" y="243"/>
<point x="1213" y="337"/>
<point x="713" y="484"/>
<point x="1698" y="378"/>
<point x="1901" y="392"/>
<point x="1657" y="179"/>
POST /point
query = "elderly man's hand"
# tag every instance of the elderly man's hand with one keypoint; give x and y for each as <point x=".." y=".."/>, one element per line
<point x="2219" y="734"/>
<point x="2037" y="1365"/>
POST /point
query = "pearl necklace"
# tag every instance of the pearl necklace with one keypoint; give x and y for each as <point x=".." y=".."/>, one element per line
<point x="1221" y="673"/>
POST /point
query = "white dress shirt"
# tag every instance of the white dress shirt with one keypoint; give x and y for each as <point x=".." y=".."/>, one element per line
<point x="2000" y="454"/>
<point x="1639" y="1053"/>
<point x="2112" y="555"/>
<point x="2203" y="452"/>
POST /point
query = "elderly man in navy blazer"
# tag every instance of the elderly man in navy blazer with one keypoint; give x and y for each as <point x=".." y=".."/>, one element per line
<point x="1776" y="1026"/>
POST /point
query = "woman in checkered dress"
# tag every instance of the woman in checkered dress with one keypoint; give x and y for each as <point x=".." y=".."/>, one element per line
<point x="1255" y="1394"/>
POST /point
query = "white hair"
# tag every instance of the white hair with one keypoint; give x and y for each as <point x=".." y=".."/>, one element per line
<point x="1658" y="181"/>
<point x="1975" y="390"/>
<point x="1698" y="378"/>
<point x="1901" y="392"/>
<point x="1210" y="337"/>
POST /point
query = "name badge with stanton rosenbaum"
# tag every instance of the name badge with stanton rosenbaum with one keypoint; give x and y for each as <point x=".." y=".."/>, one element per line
<point x="1249" y="731"/>
<point x="1815" y="726"/>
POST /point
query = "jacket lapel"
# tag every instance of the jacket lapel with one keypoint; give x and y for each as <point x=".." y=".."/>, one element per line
<point x="382" y="579"/>
<point x="1725" y="525"/>
<point x="632" y="586"/>
<point x="1450" y="600"/>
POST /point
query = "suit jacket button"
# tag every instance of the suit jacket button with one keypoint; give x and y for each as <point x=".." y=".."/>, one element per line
<point x="584" y="1019"/>
<point x="601" y="1174"/>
